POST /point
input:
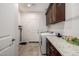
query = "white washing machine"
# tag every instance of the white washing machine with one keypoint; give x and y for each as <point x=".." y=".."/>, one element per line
<point x="43" y="42"/>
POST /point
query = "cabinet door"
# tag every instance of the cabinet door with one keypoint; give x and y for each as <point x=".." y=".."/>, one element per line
<point x="60" y="12"/>
<point x="53" y="13"/>
<point x="49" y="16"/>
<point x="51" y="50"/>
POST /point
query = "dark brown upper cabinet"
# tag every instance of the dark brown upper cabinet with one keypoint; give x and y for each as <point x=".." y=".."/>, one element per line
<point x="49" y="16"/>
<point x="55" y="13"/>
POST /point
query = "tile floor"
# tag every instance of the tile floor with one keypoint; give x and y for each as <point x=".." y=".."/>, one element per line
<point x="30" y="49"/>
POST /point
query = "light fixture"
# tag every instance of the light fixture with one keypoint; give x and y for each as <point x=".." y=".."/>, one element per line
<point x="29" y="5"/>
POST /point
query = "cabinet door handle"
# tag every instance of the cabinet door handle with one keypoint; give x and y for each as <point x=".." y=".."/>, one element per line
<point x="13" y="40"/>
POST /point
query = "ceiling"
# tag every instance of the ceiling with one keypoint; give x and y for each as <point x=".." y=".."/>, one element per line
<point x="36" y="7"/>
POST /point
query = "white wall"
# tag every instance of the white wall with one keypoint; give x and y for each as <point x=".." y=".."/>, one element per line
<point x="33" y="23"/>
<point x="9" y="22"/>
<point x="58" y="27"/>
<point x="72" y="19"/>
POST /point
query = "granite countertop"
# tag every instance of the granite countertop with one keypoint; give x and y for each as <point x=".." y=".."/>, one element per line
<point x="64" y="48"/>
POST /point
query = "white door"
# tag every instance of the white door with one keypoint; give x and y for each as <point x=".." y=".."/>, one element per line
<point x="8" y="26"/>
